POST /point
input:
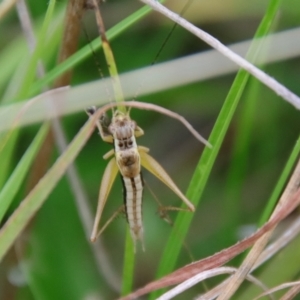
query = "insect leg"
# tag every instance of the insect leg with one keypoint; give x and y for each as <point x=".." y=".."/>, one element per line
<point x="108" y="178"/>
<point x="102" y="124"/>
<point x="121" y="209"/>
<point x="157" y="170"/>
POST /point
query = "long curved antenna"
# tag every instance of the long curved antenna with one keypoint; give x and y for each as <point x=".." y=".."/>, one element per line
<point x="164" y="111"/>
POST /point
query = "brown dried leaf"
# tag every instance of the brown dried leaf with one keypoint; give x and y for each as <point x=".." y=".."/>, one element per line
<point x="205" y="275"/>
<point x="219" y="258"/>
<point x="279" y="287"/>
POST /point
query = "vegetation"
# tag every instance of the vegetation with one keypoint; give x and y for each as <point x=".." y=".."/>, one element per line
<point x="235" y="185"/>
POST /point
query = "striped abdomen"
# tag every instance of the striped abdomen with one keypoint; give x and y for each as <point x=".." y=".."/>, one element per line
<point x="133" y="192"/>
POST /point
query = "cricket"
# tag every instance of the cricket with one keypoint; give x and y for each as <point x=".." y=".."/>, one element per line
<point x="126" y="157"/>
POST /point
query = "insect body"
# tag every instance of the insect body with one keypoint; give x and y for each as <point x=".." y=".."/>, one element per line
<point x="128" y="158"/>
<point x="123" y="132"/>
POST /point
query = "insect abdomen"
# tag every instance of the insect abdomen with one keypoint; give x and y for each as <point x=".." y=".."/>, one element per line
<point x="133" y="190"/>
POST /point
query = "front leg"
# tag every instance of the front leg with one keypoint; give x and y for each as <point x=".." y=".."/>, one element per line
<point x="107" y="181"/>
<point x="102" y="124"/>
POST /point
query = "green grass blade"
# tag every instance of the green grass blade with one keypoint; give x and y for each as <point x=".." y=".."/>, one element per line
<point x="86" y="52"/>
<point x="129" y="256"/>
<point x="8" y="65"/>
<point x="6" y="153"/>
<point x="208" y="157"/>
<point x="29" y="206"/>
<point x="128" y="268"/>
<point x="240" y="158"/>
<point x="21" y="92"/>
<point x="19" y="49"/>
<point x="15" y="180"/>
<point x="110" y="60"/>
<point x="37" y="54"/>
<point x="281" y="183"/>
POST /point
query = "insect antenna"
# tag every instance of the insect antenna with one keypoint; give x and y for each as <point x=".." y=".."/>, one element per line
<point x="90" y="6"/>
<point x="184" y="9"/>
<point x="163" y="45"/>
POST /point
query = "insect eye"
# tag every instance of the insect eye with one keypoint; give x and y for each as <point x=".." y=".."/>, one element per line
<point x="121" y="144"/>
<point x="130" y="143"/>
<point x="91" y="110"/>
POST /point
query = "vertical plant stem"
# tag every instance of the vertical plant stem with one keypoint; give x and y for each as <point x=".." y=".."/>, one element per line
<point x="270" y="82"/>
<point x="280" y="184"/>
<point x="204" y="167"/>
<point x="128" y="265"/>
<point x="69" y="45"/>
<point x="240" y="160"/>
<point x="109" y="56"/>
<point x="6" y="6"/>
<point x="12" y="185"/>
<point x="74" y="12"/>
<point x="236" y="280"/>
<point x="128" y="269"/>
<point x="38" y="195"/>
<point x="81" y="199"/>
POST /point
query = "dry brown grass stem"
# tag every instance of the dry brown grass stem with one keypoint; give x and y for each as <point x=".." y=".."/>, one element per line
<point x="69" y="46"/>
<point x="270" y="82"/>
<point x="248" y="263"/>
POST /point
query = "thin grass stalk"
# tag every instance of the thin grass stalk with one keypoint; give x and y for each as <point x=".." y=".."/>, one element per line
<point x="69" y="42"/>
<point x="291" y="233"/>
<point x="84" y="211"/>
<point x="37" y="53"/>
<point x="17" y="177"/>
<point x="6" y="6"/>
<point x="8" y="146"/>
<point x="290" y="294"/>
<point x="270" y="82"/>
<point x="69" y="45"/>
<point x="240" y="158"/>
<point x="85" y="51"/>
<point x="204" y="167"/>
<point x="258" y="247"/>
<point x="221" y="257"/>
<point x="180" y="288"/>
<point x="128" y="265"/>
<point x="109" y="56"/>
<point x="77" y="189"/>
<point x="283" y="241"/>
<point x="38" y="195"/>
<point x="278" y="288"/>
<point x="281" y="182"/>
<point x="127" y="281"/>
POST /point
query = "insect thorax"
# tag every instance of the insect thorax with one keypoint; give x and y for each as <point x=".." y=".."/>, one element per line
<point x="122" y="129"/>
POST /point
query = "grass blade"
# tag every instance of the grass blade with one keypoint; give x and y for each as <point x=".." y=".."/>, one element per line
<point x="128" y="266"/>
<point x="20" y="91"/>
<point x="204" y="167"/>
<point x="85" y="51"/>
<point x="281" y="182"/>
<point x="38" y="195"/>
<point x="17" y="177"/>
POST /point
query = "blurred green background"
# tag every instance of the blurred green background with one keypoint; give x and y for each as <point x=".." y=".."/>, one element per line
<point x="53" y="260"/>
